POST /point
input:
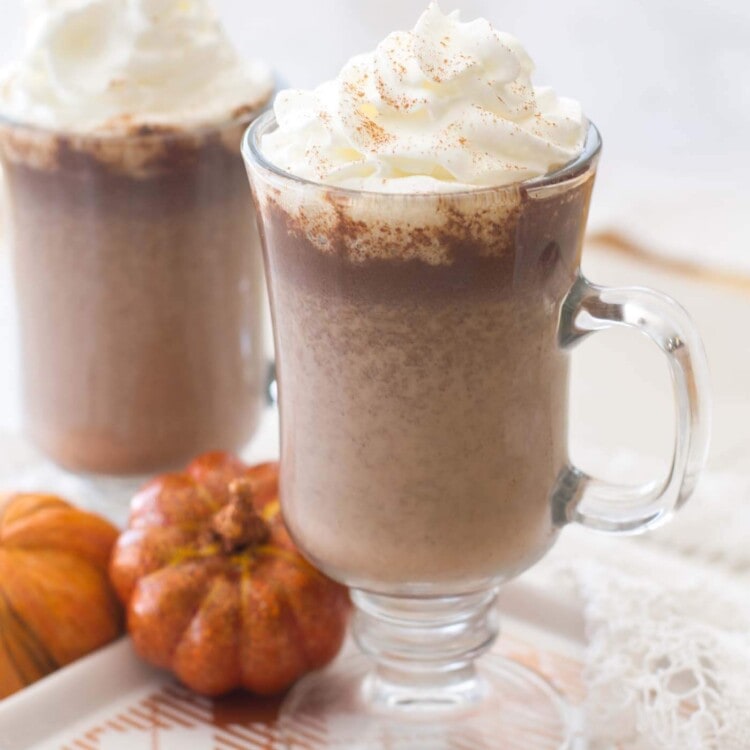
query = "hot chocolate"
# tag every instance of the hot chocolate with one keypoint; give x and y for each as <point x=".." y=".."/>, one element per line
<point x="422" y="220"/>
<point x="417" y="279"/>
<point x="137" y="262"/>
<point x="140" y="296"/>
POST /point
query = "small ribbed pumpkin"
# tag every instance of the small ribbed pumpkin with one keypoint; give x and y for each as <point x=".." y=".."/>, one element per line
<point x="56" y="602"/>
<point x="215" y="589"/>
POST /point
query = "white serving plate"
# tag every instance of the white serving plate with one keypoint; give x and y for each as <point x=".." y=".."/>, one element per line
<point x="112" y="701"/>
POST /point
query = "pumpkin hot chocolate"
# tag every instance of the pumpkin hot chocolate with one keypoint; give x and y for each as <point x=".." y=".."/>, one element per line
<point x="417" y="278"/>
<point x="422" y="222"/>
<point x="137" y="264"/>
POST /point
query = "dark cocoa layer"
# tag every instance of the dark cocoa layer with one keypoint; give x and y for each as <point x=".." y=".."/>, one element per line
<point x="536" y="246"/>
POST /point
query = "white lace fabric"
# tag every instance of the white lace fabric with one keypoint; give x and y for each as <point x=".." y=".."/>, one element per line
<point x="667" y="619"/>
<point x="667" y="668"/>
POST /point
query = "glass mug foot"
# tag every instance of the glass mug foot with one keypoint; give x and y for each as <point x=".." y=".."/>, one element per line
<point x="425" y="688"/>
<point x="519" y="710"/>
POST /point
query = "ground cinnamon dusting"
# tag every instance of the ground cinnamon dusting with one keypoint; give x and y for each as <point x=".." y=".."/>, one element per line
<point x="377" y="135"/>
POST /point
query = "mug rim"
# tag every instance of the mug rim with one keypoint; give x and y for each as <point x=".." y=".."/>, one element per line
<point x="243" y="116"/>
<point x="254" y="155"/>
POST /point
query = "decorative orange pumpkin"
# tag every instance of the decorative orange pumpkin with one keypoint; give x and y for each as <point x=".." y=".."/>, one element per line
<point x="56" y="602"/>
<point x="216" y="592"/>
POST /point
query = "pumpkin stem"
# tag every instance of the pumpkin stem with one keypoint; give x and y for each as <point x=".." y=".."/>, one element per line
<point x="238" y="525"/>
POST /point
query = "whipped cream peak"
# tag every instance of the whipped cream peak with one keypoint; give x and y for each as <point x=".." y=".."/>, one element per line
<point x="93" y="65"/>
<point x="446" y="106"/>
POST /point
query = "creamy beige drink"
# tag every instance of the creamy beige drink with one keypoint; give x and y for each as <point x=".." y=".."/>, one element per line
<point x="137" y="262"/>
<point x="424" y="407"/>
<point x="423" y="389"/>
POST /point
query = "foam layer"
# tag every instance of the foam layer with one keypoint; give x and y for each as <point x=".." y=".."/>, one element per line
<point x="117" y="65"/>
<point x="139" y="155"/>
<point x="362" y="226"/>
<point x="445" y="106"/>
<point x="424" y="228"/>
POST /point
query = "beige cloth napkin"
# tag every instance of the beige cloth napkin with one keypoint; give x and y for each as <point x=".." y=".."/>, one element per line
<point x="686" y="223"/>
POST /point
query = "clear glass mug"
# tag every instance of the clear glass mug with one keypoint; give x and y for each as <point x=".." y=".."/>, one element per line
<point x="140" y="293"/>
<point x="423" y="346"/>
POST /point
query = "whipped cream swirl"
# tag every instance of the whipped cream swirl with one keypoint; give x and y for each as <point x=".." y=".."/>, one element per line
<point x="115" y="65"/>
<point x="443" y="107"/>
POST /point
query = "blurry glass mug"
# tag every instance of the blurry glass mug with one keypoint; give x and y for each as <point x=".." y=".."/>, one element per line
<point x="139" y="291"/>
<point x="423" y="348"/>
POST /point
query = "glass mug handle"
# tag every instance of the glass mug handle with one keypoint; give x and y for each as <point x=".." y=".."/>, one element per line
<point x="622" y="509"/>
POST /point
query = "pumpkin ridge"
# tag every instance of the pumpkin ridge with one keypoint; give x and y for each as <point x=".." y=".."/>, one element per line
<point x="293" y="623"/>
<point x="36" y="578"/>
<point x="191" y="527"/>
<point x="206" y="494"/>
<point x="240" y="560"/>
<point x="33" y="504"/>
<point x="30" y="533"/>
<point x="32" y="647"/>
<point x="270" y="510"/>
<point x="284" y="615"/>
<point x="16" y="647"/>
<point x="4" y="504"/>
<point x="196" y="611"/>
<point x="137" y="599"/>
<point x="245" y="563"/>
<point x="243" y="583"/>
<point x="24" y="679"/>
<point x="191" y="554"/>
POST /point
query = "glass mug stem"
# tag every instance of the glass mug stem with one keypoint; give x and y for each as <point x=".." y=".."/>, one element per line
<point x="425" y="649"/>
<point x="421" y="685"/>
